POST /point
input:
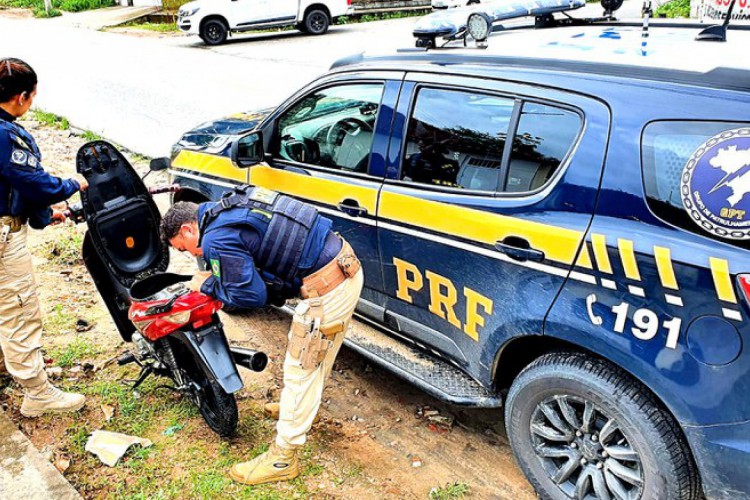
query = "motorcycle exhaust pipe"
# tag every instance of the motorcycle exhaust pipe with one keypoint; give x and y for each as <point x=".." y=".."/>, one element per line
<point x="250" y="359"/>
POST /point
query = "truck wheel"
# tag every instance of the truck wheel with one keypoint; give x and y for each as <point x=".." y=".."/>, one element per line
<point x="316" y="22"/>
<point x="582" y="428"/>
<point x="214" y="32"/>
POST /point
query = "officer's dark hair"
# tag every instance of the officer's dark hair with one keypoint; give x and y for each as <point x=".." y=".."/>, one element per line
<point x="16" y="77"/>
<point x="182" y="212"/>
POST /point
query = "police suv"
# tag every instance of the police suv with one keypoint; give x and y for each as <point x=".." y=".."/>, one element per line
<point x="558" y="224"/>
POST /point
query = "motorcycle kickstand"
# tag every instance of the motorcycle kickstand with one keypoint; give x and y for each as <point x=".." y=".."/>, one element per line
<point x="145" y="372"/>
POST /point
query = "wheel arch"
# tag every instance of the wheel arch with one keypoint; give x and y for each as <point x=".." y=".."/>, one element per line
<point x="190" y="193"/>
<point x="217" y="17"/>
<point x="320" y="6"/>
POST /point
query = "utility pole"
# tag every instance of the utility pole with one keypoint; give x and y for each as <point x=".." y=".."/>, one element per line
<point x="47" y="6"/>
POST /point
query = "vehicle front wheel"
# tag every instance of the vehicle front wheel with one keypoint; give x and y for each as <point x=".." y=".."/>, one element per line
<point x="214" y="32"/>
<point x="317" y="22"/>
<point x="582" y="428"/>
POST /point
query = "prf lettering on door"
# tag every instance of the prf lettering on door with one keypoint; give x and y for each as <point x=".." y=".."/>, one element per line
<point x="443" y="297"/>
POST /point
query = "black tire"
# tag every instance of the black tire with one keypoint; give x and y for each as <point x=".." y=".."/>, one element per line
<point x="214" y="32"/>
<point x="576" y="421"/>
<point x="317" y="22"/>
<point x="219" y="409"/>
<point x="472" y="2"/>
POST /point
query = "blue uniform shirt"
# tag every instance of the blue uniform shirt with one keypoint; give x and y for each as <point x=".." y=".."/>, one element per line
<point x="26" y="190"/>
<point x="232" y="240"/>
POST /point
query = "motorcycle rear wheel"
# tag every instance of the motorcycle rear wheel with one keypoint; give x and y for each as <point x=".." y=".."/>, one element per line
<point x="219" y="409"/>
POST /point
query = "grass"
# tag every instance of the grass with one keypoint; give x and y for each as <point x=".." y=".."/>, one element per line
<point x="449" y="491"/>
<point x="65" y="250"/>
<point x="37" y="6"/>
<point x="49" y="119"/>
<point x="157" y="27"/>
<point x="74" y="352"/>
<point x="675" y="8"/>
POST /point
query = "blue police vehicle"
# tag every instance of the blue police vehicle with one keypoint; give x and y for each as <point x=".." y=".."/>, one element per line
<point x="558" y="224"/>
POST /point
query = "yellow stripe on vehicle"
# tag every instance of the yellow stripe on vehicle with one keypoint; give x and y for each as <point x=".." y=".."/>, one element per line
<point x="599" y="242"/>
<point x="217" y="166"/>
<point x="722" y="280"/>
<point x="558" y="244"/>
<point x="664" y="266"/>
<point x="327" y="191"/>
<point x="584" y="259"/>
<point x="627" y="255"/>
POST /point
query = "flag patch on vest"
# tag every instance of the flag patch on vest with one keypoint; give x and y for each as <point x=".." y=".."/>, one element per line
<point x="216" y="268"/>
<point x="263" y="195"/>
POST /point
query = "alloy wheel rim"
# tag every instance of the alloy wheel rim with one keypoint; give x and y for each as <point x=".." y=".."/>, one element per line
<point x="584" y="451"/>
<point x="318" y="22"/>
<point x="213" y="33"/>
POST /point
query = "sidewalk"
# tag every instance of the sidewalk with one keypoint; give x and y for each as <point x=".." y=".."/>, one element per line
<point x="24" y="473"/>
<point x="97" y="19"/>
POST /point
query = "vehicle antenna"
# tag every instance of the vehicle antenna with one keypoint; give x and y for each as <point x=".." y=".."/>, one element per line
<point x="717" y="32"/>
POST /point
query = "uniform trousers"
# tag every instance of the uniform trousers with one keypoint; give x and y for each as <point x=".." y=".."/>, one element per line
<point x="20" y="315"/>
<point x="303" y="389"/>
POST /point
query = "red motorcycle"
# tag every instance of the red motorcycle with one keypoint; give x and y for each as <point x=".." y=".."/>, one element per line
<point x="176" y="333"/>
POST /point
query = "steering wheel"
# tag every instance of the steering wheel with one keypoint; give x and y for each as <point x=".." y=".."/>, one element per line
<point x="348" y="125"/>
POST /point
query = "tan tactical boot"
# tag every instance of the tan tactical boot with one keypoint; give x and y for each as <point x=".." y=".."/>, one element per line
<point x="49" y="399"/>
<point x="273" y="410"/>
<point x="277" y="464"/>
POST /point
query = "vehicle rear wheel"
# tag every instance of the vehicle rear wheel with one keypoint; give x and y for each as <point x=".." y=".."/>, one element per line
<point x="582" y="428"/>
<point x="214" y="32"/>
<point x="218" y="408"/>
<point x="316" y="22"/>
<point x="472" y="2"/>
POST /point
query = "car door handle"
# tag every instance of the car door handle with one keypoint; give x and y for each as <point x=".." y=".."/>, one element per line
<point x="351" y="207"/>
<point x="519" y="249"/>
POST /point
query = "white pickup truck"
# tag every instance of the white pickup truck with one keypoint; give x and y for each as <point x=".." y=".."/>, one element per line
<point x="214" y="20"/>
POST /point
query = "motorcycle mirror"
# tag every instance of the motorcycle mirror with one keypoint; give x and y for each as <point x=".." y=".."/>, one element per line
<point x="248" y="150"/>
<point x="158" y="164"/>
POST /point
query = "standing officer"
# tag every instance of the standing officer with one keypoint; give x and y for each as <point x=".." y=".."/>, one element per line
<point x="26" y="193"/>
<point x="263" y="247"/>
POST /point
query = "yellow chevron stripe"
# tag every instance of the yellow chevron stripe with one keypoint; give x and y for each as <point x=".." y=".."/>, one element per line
<point x="627" y="255"/>
<point x="326" y="191"/>
<point x="584" y="258"/>
<point x="217" y="166"/>
<point x="558" y="244"/>
<point x="722" y="280"/>
<point x="599" y="242"/>
<point x="664" y="266"/>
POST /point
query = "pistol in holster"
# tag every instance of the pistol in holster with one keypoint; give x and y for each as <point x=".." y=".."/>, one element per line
<point x="311" y="338"/>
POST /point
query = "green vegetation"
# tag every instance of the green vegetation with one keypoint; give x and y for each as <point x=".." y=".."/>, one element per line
<point x="157" y="27"/>
<point x="49" y="119"/>
<point x="37" y="6"/>
<point x="65" y="250"/>
<point x="382" y="16"/>
<point x="450" y="491"/>
<point x="675" y="8"/>
<point x="74" y="352"/>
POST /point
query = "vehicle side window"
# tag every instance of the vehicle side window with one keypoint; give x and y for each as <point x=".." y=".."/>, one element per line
<point x="332" y="127"/>
<point x="543" y="138"/>
<point x="457" y="138"/>
<point x="667" y="147"/>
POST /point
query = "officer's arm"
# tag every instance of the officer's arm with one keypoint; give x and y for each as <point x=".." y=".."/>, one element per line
<point x="33" y="183"/>
<point x="234" y="279"/>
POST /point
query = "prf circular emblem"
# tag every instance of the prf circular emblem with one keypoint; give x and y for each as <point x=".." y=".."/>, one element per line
<point x="715" y="185"/>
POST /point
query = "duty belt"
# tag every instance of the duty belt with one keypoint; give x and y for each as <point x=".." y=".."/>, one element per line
<point x="13" y="221"/>
<point x="344" y="266"/>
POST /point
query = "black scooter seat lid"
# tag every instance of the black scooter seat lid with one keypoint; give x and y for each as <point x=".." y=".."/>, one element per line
<point x="122" y="217"/>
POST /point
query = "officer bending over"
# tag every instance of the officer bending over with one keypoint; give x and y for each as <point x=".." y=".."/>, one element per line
<point x="26" y="194"/>
<point x="263" y="247"/>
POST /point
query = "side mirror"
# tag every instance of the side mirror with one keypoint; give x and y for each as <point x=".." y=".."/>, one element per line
<point x="158" y="164"/>
<point x="248" y="150"/>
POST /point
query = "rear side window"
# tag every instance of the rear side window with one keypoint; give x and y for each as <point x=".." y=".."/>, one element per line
<point x="707" y="198"/>
<point x="459" y="139"/>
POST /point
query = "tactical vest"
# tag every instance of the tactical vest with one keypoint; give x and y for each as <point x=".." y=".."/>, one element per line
<point x="286" y="233"/>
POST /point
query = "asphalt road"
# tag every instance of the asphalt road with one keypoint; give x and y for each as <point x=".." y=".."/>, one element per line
<point x="144" y="92"/>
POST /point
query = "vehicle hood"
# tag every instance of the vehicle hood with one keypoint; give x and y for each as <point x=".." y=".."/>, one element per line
<point x="215" y="136"/>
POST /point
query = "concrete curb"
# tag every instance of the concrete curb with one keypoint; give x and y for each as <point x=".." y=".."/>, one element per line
<point x="24" y="473"/>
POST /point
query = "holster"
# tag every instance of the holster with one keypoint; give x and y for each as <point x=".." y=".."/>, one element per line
<point x="311" y="338"/>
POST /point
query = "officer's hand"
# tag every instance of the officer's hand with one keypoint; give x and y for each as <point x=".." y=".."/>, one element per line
<point x="58" y="212"/>
<point x="197" y="282"/>
<point x="82" y="182"/>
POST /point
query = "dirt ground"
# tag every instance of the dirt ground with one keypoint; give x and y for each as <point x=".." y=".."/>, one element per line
<point x="373" y="440"/>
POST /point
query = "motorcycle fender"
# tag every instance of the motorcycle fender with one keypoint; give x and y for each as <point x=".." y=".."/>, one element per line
<point x="211" y="352"/>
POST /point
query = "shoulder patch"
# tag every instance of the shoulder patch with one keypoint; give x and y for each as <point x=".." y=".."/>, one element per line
<point x="19" y="157"/>
<point x="216" y="268"/>
<point x="19" y="142"/>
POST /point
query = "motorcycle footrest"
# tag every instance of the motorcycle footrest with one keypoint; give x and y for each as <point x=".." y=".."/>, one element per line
<point x="126" y="359"/>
